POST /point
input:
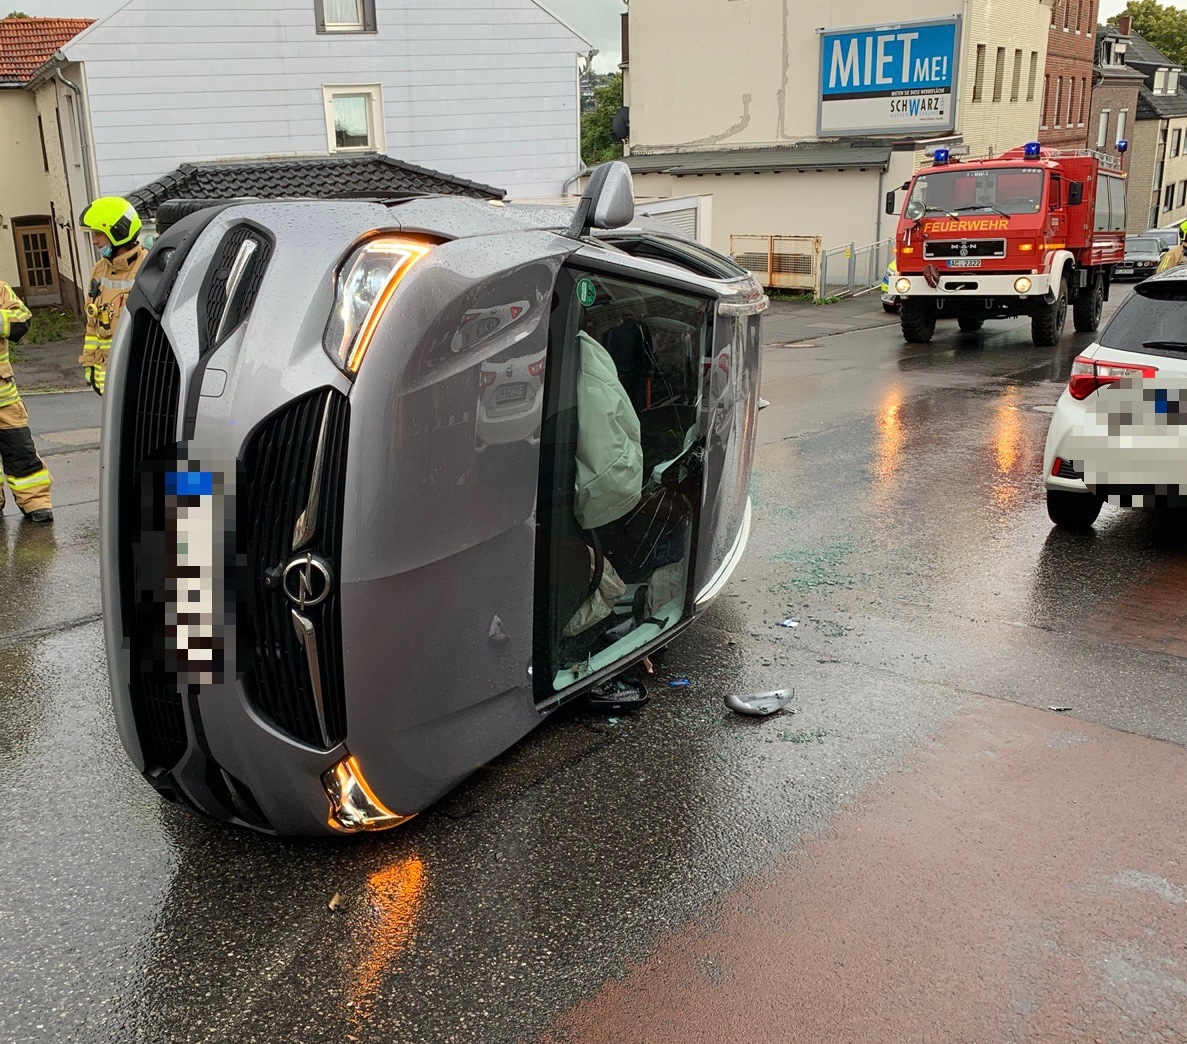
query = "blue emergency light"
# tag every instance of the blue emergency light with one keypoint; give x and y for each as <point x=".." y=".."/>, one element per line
<point x="940" y="157"/>
<point x="1123" y="146"/>
<point x="1032" y="150"/>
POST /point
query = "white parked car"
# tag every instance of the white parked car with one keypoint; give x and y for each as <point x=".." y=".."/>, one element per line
<point x="1119" y="432"/>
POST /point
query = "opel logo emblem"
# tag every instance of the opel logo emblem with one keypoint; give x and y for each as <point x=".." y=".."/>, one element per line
<point x="307" y="581"/>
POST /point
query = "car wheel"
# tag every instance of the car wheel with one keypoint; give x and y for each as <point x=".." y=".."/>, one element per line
<point x="1046" y="326"/>
<point x="887" y="307"/>
<point x="1071" y="510"/>
<point x="970" y="325"/>
<point x="1088" y="307"/>
<point x="918" y="321"/>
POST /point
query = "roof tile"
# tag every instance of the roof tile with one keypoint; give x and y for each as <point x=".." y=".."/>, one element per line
<point x="320" y="177"/>
<point x="26" y="44"/>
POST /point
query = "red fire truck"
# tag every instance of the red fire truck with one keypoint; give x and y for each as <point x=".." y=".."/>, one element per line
<point x="1028" y="232"/>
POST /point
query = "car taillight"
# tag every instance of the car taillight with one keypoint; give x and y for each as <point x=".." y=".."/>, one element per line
<point x="536" y="369"/>
<point x="1089" y="374"/>
<point x="485" y="379"/>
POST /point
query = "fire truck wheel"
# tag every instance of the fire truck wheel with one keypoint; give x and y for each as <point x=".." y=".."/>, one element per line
<point x="1046" y="326"/>
<point x="1088" y="306"/>
<point x="970" y="324"/>
<point x="918" y="321"/>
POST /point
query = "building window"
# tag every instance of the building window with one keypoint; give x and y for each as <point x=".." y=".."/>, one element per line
<point x="354" y="118"/>
<point x="1034" y="76"/>
<point x="1058" y="101"/>
<point x="1067" y="12"/>
<point x="1102" y="132"/>
<point x="999" y="74"/>
<point x="1046" y="101"/>
<point x="1079" y="15"/>
<point x="1176" y="143"/>
<point x="1121" y="123"/>
<point x="1016" y="82"/>
<point x="1168" y="198"/>
<point x="1172" y="81"/>
<point x="1183" y="193"/>
<point x="1071" y="102"/>
<point x="979" y="76"/>
<point x="1083" y="100"/>
<point x="345" y="16"/>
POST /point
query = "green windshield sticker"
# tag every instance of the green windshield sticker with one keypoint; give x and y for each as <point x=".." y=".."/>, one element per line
<point x="586" y="292"/>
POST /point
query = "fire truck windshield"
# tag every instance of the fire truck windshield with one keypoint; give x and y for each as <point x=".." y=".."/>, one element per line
<point x="955" y="191"/>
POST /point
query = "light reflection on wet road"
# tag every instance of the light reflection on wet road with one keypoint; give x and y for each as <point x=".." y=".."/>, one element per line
<point x="898" y="518"/>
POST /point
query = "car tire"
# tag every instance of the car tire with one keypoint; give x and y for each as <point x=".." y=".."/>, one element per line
<point x="1071" y="510"/>
<point x="892" y="309"/>
<point x="918" y="321"/>
<point x="1046" y="326"/>
<point x="1087" y="310"/>
<point x="969" y="324"/>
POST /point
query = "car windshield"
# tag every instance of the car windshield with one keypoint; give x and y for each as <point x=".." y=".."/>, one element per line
<point x="1143" y="320"/>
<point x="1010" y="191"/>
<point x="1143" y="247"/>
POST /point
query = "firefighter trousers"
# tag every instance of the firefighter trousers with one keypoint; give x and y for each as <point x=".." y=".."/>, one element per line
<point x="24" y="471"/>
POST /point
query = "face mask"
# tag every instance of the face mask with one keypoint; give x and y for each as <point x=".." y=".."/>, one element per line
<point x="106" y="251"/>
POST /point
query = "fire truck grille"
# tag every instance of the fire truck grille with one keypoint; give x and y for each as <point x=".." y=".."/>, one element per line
<point x="956" y="248"/>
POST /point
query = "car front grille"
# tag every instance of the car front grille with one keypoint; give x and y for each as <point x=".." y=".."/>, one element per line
<point x="148" y="432"/>
<point x="231" y="290"/>
<point x="965" y="248"/>
<point x="297" y="451"/>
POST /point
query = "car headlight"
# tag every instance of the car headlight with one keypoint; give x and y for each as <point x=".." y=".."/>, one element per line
<point x="902" y="286"/>
<point x="1022" y="285"/>
<point x="366" y="282"/>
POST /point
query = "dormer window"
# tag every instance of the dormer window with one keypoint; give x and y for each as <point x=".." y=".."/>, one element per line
<point x="1166" y="81"/>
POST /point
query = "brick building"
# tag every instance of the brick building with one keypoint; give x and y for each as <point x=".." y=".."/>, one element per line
<point x="1115" y="87"/>
<point x="1067" y="79"/>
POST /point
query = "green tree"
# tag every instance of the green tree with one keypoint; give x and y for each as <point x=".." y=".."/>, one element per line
<point x="1162" y="26"/>
<point x="597" y="145"/>
<point x="16" y="14"/>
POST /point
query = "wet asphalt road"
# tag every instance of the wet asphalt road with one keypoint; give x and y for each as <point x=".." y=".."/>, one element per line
<point x="898" y="518"/>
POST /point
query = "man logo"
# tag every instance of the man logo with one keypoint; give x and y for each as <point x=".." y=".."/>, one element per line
<point x="307" y="581"/>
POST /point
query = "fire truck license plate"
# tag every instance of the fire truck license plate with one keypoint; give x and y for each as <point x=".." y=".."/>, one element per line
<point x="965" y="262"/>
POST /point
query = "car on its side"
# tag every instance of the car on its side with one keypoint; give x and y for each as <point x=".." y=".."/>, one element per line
<point x="1142" y="254"/>
<point x="386" y="482"/>
<point x="1119" y="431"/>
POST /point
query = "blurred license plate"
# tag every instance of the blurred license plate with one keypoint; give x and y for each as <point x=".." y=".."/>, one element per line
<point x="1123" y="270"/>
<point x="511" y="393"/>
<point x="193" y="523"/>
<point x="965" y="262"/>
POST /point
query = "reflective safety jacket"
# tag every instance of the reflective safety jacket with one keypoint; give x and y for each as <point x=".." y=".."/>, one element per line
<point x="13" y="312"/>
<point x="1173" y="258"/>
<point x="111" y="283"/>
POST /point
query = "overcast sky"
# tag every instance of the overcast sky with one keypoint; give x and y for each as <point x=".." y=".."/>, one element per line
<point x="596" y="20"/>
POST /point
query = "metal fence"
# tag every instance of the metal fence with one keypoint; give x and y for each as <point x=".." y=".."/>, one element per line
<point x="849" y="270"/>
<point x="783" y="262"/>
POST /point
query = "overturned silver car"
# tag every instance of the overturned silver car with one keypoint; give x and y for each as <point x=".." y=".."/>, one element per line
<point x="385" y="483"/>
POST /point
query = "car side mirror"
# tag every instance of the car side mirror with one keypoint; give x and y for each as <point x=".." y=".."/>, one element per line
<point x="608" y="200"/>
<point x="890" y="200"/>
<point x="1075" y="193"/>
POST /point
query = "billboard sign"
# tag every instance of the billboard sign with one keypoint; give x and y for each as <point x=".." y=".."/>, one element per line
<point x="898" y="80"/>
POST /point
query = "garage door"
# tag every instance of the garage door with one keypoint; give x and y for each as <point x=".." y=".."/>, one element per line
<point x="685" y="220"/>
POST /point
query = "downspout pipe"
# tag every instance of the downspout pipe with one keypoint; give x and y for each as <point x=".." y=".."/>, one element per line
<point x="80" y="117"/>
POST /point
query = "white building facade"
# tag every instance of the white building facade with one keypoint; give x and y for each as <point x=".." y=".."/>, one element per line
<point x="480" y="90"/>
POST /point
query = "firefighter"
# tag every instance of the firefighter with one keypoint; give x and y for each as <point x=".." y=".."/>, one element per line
<point x="114" y="226"/>
<point x="1177" y="255"/>
<point x="24" y="472"/>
